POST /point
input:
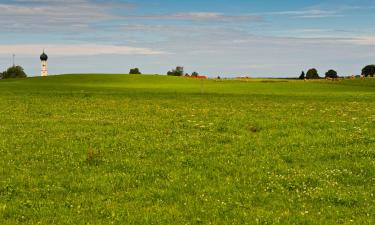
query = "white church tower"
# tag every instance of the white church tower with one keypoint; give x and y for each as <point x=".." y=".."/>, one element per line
<point x="43" y="59"/>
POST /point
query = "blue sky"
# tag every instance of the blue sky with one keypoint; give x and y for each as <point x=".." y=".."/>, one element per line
<point x="262" y="38"/>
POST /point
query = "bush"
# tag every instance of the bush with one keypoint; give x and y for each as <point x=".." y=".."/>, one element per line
<point x="14" y="72"/>
<point x="134" y="71"/>
<point x="179" y="71"/>
<point x="368" y="71"/>
<point x="312" y="74"/>
<point x="331" y="74"/>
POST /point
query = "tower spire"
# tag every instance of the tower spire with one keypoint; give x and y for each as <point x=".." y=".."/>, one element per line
<point x="43" y="59"/>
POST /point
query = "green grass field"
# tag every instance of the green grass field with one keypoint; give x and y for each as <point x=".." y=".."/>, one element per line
<point x="121" y="149"/>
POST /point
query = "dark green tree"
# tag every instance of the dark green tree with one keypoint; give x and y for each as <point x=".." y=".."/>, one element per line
<point x="312" y="74"/>
<point x="179" y="71"/>
<point x="302" y="76"/>
<point x="134" y="71"/>
<point x="195" y="74"/>
<point x="368" y="71"/>
<point x="14" y="72"/>
<point x="331" y="74"/>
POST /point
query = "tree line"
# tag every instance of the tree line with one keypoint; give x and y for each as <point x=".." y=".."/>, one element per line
<point x="179" y="71"/>
<point x="367" y="71"/>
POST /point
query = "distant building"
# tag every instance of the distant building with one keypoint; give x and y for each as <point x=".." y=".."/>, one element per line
<point x="43" y="59"/>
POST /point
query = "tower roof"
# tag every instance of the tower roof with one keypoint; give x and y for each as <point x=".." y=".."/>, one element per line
<point x="43" y="57"/>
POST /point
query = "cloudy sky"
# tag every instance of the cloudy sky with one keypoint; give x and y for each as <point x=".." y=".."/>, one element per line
<point x="270" y="38"/>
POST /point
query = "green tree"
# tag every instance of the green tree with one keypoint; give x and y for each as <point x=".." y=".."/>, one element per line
<point x="179" y="71"/>
<point x="312" y="74"/>
<point x="368" y="71"/>
<point x="134" y="71"/>
<point x="14" y="72"/>
<point x="331" y="74"/>
<point x="195" y="74"/>
<point x="302" y="76"/>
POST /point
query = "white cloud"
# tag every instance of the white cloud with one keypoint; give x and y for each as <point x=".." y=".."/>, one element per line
<point x="310" y="13"/>
<point x="54" y="15"/>
<point x="215" y="16"/>
<point x="198" y="16"/>
<point x="76" y="50"/>
<point x="369" y="40"/>
<point x="323" y="10"/>
<point x="47" y="15"/>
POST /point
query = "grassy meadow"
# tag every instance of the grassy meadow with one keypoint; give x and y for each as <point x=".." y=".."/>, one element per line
<point x="125" y="149"/>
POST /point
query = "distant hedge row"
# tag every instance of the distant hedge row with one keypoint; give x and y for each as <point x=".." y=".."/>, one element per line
<point x="367" y="71"/>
